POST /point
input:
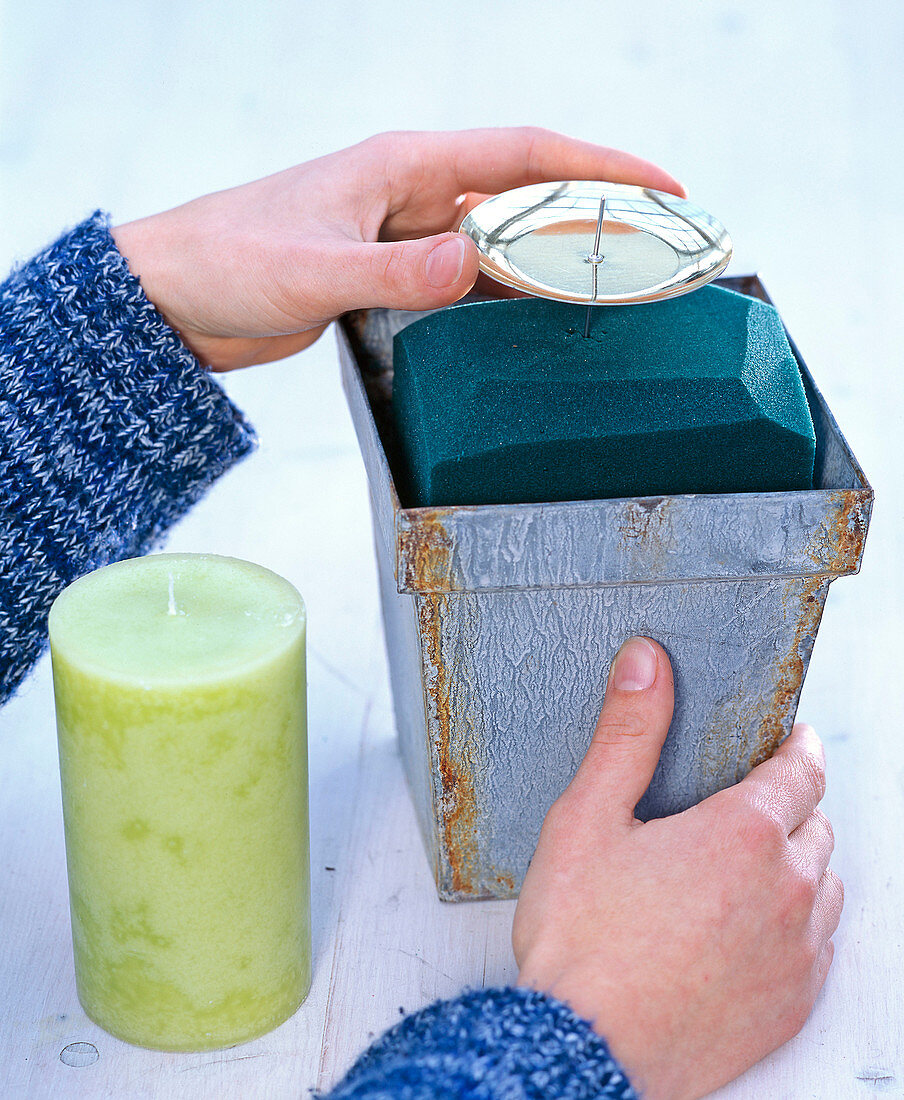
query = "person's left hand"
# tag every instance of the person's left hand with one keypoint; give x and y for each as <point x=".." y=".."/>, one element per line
<point x="257" y="272"/>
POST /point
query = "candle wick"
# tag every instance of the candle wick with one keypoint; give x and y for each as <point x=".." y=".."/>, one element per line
<point x="172" y="609"/>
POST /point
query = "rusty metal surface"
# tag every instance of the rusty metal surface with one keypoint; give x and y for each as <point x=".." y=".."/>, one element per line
<point x="514" y="681"/>
<point x="775" y="718"/>
<point x="425" y="548"/>
<point x="459" y="764"/>
<point x="661" y="539"/>
<point x="437" y="703"/>
<point x="501" y="622"/>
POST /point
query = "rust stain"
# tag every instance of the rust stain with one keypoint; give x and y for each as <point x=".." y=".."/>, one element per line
<point x="426" y="560"/>
<point x="839" y="550"/>
<point x="457" y="809"/>
<point x="644" y="527"/>
<point x="771" y="732"/>
<point x="425" y="552"/>
<point x="643" y="518"/>
<point x="841" y="542"/>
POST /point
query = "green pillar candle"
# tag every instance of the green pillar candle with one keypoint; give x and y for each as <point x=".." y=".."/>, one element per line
<point x="180" y="697"/>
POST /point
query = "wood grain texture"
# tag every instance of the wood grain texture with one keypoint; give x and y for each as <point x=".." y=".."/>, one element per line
<point x="783" y="119"/>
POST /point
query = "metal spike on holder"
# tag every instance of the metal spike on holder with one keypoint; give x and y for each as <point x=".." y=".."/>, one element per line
<point x="595" y="259"/>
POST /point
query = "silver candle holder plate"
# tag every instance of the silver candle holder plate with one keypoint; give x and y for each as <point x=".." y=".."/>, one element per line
<point x="597" y="243"/>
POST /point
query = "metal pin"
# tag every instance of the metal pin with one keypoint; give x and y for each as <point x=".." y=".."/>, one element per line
<point x="595" y="259"/>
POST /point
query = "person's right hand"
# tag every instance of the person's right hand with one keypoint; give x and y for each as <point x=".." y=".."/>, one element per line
<point x="257" y="272"/>
<point x="695" y="944"/>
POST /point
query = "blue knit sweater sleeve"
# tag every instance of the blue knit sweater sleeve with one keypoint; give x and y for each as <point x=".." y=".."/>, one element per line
<point x="491" y="1044"/>
<point x="109" y="429"/>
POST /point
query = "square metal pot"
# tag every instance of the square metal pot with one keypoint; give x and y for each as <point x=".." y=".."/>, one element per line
<point x="501" y="622"/>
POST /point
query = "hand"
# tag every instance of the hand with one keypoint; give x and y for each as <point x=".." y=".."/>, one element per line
<point x="695" y="944"/>
<point x="257" y="272"/>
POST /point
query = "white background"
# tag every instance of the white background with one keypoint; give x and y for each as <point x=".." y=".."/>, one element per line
<point x="784" y="120"/>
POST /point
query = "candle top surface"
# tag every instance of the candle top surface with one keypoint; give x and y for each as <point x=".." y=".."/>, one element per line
<point x="175" y="619"/>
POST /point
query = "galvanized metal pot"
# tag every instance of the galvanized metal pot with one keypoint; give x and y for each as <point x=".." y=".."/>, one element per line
<point x="501" y="622"/>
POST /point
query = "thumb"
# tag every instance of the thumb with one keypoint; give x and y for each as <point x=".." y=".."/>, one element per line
<point x="419" y="274"/>
<point x="635" y="718"/>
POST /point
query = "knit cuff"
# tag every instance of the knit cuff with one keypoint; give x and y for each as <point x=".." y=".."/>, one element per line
<point x="109" y="429"/>
<point x="491" y="1043"/>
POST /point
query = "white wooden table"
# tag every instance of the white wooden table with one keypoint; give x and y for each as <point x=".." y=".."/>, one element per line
<point x="786" y="124"/>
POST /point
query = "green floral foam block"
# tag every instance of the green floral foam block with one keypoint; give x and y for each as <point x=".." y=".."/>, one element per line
<point x="506" y="402"/>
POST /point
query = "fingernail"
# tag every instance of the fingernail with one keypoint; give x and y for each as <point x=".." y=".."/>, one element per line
<point x="445" y="263"/>
<point x="635" y="666"/>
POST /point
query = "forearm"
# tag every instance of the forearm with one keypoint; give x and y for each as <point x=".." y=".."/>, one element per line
<point x="510" y="1043"/>
<point x="109" y="430"/>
